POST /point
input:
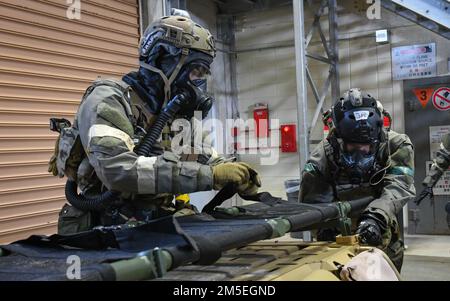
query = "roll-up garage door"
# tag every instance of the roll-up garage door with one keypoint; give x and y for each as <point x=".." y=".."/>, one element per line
<point x="46" y="62"/>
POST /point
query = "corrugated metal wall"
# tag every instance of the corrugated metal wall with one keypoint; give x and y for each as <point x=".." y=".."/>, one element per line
<point x="46" y="62"/>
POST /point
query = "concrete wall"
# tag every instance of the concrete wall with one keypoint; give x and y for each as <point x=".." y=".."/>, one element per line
<point x="266" y="74"/>
<point x="266" y="68"/>
<point x="220" y="83"/>
<point x="150" y="10"/>
<point x="368" y="65"/>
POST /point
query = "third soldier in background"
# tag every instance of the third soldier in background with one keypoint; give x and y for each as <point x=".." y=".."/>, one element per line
<point x="360" y="158"/>
<point x="440" y="165"/>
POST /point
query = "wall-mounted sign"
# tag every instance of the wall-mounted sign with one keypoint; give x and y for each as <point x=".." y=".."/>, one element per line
<point x="423" y="95"/>
<point x="414" y="61"/>
<point x="381" y="36"/>
<point x="441" y="99"/>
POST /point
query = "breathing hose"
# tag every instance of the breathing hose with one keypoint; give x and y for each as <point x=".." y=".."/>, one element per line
<point x="143" y="149"/>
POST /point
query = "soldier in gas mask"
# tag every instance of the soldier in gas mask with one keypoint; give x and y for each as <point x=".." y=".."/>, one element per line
<point x="438" y="168"/>
<point x="360" y="158"/>
<point x="101" y="153"/>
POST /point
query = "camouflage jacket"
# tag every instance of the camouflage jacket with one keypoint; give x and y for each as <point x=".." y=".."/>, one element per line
<point x="109" y="123"/>
<point x="440" y="164"/>
<point x="323" y="182"/>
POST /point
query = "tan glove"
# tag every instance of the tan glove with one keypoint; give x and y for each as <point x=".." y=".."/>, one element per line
<point x="250" y="188"/>
<point x="239" y="173"/>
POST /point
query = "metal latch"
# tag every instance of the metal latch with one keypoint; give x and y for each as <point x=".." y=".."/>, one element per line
<point x="57" y="124"/>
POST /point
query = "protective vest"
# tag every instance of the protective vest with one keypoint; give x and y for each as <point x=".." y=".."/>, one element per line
<point x="69" y="152"/>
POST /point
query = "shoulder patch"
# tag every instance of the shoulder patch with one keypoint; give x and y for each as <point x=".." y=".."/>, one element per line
<point x="115" y="117"/>
<point x="401" y="170"/>
<point x="309" y="167"/>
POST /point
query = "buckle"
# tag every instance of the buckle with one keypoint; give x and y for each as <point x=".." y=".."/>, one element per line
<point x="57" y="124"/>
<point x="157" y="261"/>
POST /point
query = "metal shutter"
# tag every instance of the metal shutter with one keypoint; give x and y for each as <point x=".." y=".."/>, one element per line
<point x="46" y="63"/>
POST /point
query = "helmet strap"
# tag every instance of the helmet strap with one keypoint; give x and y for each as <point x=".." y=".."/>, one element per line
<point x="163" y="76"/>
<point x="184" y="55"/>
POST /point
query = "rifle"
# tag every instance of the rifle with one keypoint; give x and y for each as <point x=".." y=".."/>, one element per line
<point x="427" y="192"/>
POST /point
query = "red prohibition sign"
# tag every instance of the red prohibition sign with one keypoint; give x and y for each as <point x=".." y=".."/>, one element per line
<point x="441" y="99"/>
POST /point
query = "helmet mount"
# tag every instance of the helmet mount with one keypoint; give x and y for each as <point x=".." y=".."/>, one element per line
<point x="357" y="118"/>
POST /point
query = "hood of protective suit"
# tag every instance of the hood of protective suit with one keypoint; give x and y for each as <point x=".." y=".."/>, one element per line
<point x="149" y="85"/>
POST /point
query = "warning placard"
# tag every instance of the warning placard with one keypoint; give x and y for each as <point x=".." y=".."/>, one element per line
<point x="441" y="99"/>
<point x="414" y="61"/>
<point x="423" y="95"/>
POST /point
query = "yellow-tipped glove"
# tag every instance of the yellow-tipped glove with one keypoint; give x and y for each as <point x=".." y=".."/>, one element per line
<point x="241" y="174"/>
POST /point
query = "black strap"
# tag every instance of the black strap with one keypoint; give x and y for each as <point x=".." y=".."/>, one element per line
<point x="92" y="240"/>
<point x="263" y="197"/>
<point x="164" y="231"/>
<point x="224" y="194"/>
<point x="230" y="190"/>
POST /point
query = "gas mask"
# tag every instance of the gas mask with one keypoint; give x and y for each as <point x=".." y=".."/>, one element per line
<point x="192" y="83"/>
<point x="358" y="165"/>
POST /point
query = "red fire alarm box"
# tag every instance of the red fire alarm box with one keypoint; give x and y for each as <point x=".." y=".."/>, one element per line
<point x="261" y="116"/>
<point x="288" y="138"/>
<point x="386" y="122"/>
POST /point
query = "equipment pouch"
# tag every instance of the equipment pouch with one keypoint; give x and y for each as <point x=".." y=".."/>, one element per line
<point x="70" y="153"/>
<point x="52" y="168"/>
<point x="72" y="220"/>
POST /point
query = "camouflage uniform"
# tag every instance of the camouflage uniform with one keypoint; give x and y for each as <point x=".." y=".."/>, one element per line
<point x="323" y="182"/>
<point x="120" y="183"/>
<point x="108" y="124"/>
<point x="440" y="164"/>
<point x="97" y="153"/>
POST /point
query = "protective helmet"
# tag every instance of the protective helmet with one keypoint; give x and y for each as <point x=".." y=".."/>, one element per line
<point x="180" y="31"/>
<point x="358" y="117"/>
<point x="172" y="43"/>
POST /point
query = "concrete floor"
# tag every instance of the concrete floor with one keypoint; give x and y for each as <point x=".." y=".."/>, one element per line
<point x="428" y="245"/>
<point x="427" y="258"/>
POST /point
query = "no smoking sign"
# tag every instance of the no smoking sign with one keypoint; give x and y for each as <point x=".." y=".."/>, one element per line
<point x="441" y="99"/>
